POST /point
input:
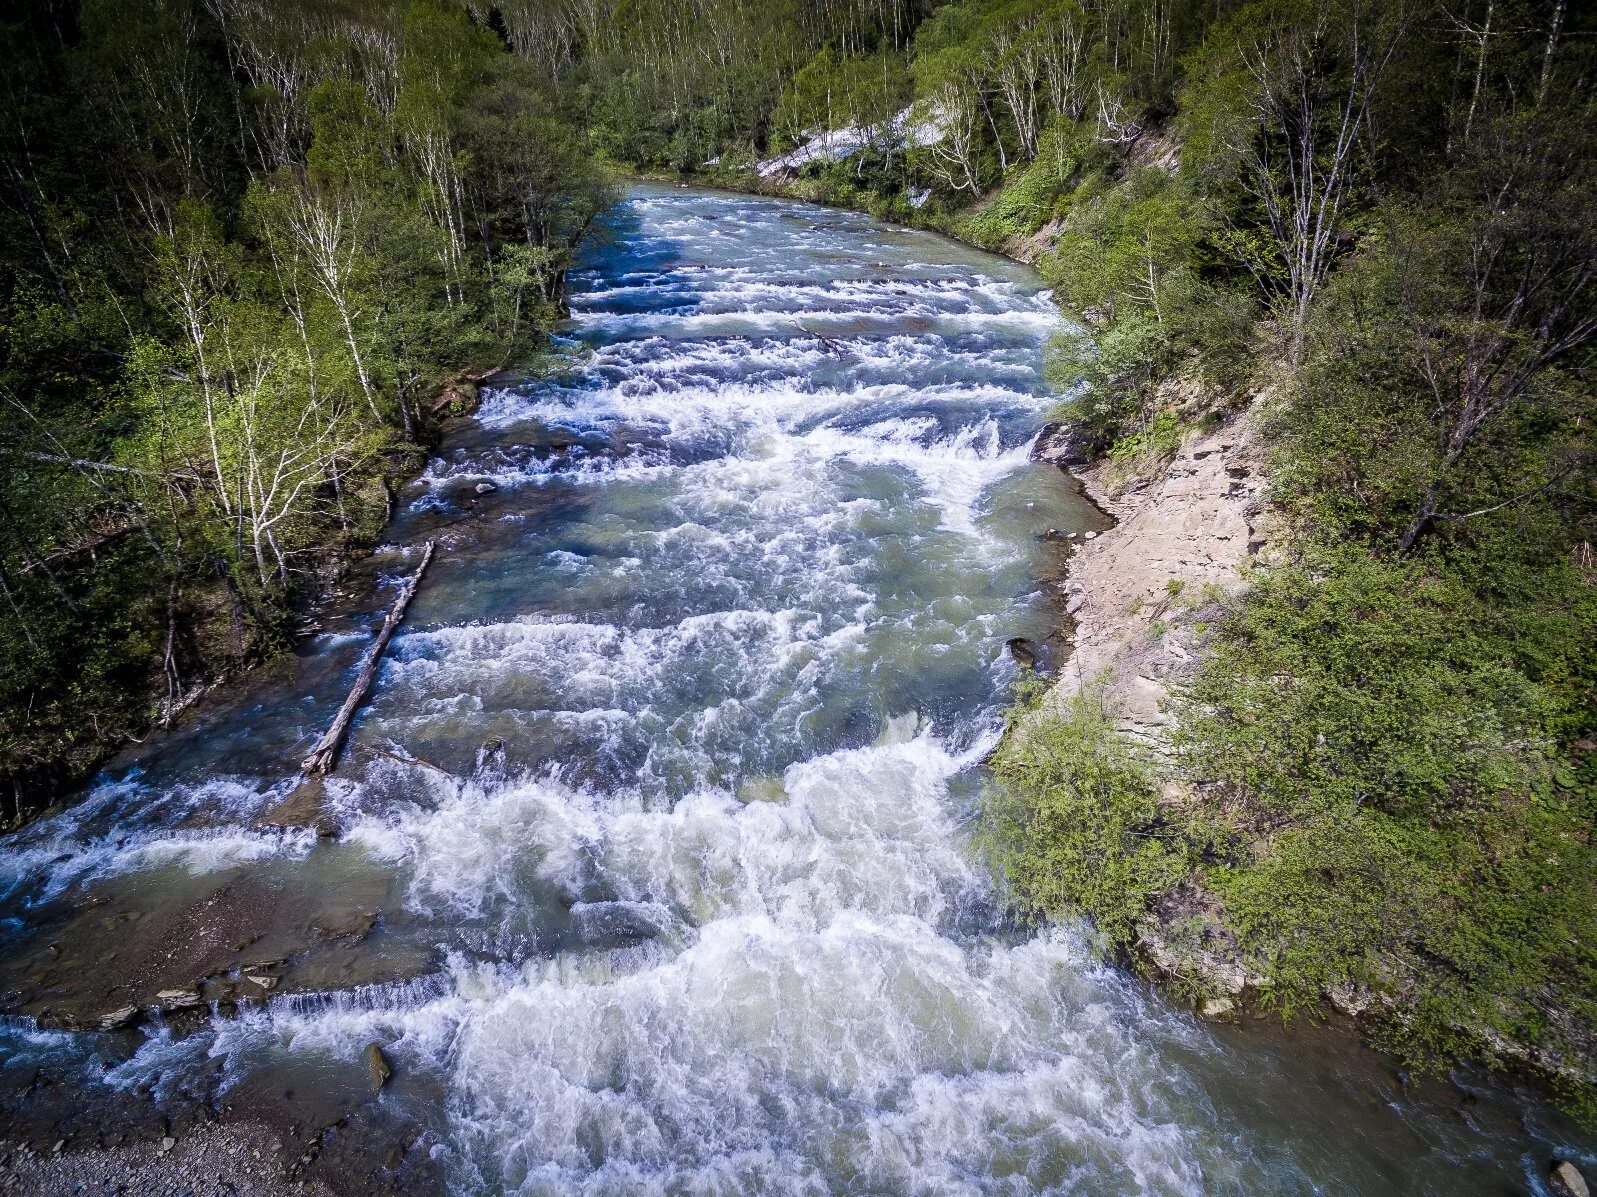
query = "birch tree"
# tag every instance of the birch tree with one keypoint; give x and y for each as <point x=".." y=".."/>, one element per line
<point x="1303" y="79"/>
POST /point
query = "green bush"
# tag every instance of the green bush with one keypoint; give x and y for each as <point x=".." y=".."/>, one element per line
<point x="1110" y="376"/>
<point x="1073" y="823"/>
<point x="1035" y="193"/>
<point x="1383" y="763"/>
<point x="1352" y="680"/>
<point x="1149" y="447"/>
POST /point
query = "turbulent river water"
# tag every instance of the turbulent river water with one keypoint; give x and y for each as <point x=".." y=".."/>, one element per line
<point x="683" y="898"/>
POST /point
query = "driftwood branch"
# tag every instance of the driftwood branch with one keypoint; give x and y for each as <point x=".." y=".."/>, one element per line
<point x="99" y="467"/>
<point x="405" y="758"/>
<point x="324" y="756"/>
<point x="831" y="343"/>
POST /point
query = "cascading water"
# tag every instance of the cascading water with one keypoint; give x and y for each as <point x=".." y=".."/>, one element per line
<point x="682" y="900"/>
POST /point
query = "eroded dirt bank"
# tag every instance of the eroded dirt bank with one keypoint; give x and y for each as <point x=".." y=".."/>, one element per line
<point x="1181" y="539"/>
<point x="1135" y="594"/>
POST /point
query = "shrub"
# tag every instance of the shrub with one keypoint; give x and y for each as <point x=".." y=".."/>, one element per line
<point x="1381" y="754"/>
<point x="1145" y="450"/>
<point x="1074" y="824"/>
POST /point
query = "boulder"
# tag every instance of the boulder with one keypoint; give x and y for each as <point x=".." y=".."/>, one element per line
<point x="1350" y="999"/>
<point x="377" y="1066"/>
<point x="1022" y="650"/>
<point x="485" y="488"/>
<point x="1565" y="1180"/>
<point x="458" y="397"/>
<point x="1063" y="443"/>
<point x="117" y="1019"/>
<point x="1216" y="1009"/>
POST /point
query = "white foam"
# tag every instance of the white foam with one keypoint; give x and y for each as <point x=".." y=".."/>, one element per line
<point x="51" y="856"/>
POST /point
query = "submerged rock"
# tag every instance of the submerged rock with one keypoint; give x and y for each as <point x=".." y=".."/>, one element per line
<point x="762" y="789"/>
<point x="377" y="1066"/>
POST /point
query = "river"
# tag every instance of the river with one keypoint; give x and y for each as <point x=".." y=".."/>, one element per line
<point x="649" y="867"/>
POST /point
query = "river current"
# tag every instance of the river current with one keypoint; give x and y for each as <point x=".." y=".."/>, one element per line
<point x="655" y="837"/>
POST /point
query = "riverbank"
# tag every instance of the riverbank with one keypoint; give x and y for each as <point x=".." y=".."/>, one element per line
<point x="214" y="1160"/>
<point x="210" y="642"/>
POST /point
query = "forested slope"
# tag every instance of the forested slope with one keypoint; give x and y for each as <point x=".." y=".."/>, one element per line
<point x="245" y="244"/>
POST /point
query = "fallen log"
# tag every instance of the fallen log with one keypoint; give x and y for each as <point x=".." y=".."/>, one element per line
<point x="324" y="756"/>
<point x="829" y="342"/>
<point x="408" y="759"/>
<point x="99" y="467"/>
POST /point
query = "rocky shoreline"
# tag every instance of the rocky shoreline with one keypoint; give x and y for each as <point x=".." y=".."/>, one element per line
<point x="213" y="1160"/>
<point x="1182" y="541"/>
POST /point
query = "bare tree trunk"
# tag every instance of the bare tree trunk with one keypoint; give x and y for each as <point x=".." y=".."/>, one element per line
<point x="1480" y="72"/>
<point x="1553" y="30"/>
<point x="324" y="756"/>
<point x="174" y="683"/>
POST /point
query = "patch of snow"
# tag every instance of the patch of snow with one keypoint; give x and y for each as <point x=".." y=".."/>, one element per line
<point x="905" y="129"/>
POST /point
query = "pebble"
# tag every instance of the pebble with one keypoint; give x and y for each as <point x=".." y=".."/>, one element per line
<point x="1565" y="1180"/>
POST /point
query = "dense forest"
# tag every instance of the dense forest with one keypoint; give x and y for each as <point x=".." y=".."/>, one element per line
<point x="250" y="245"/>
<point x="246" y="244"/>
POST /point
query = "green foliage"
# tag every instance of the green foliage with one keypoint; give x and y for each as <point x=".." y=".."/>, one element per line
<point x="248" y="247"/>
<point x="1110" y="377"/>
<point x="1130" y="258"/>
<point x="1132" y="244"/>
<point x="1148" y="448"/>
<point x="1356" y="681"/>
<point x="1074" y="823"/>
<point x="1044" y="189"/>
<point x="1383" y="751"/>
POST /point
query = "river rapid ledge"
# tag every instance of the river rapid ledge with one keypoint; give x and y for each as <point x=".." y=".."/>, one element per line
<point x="648" y="868"/>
